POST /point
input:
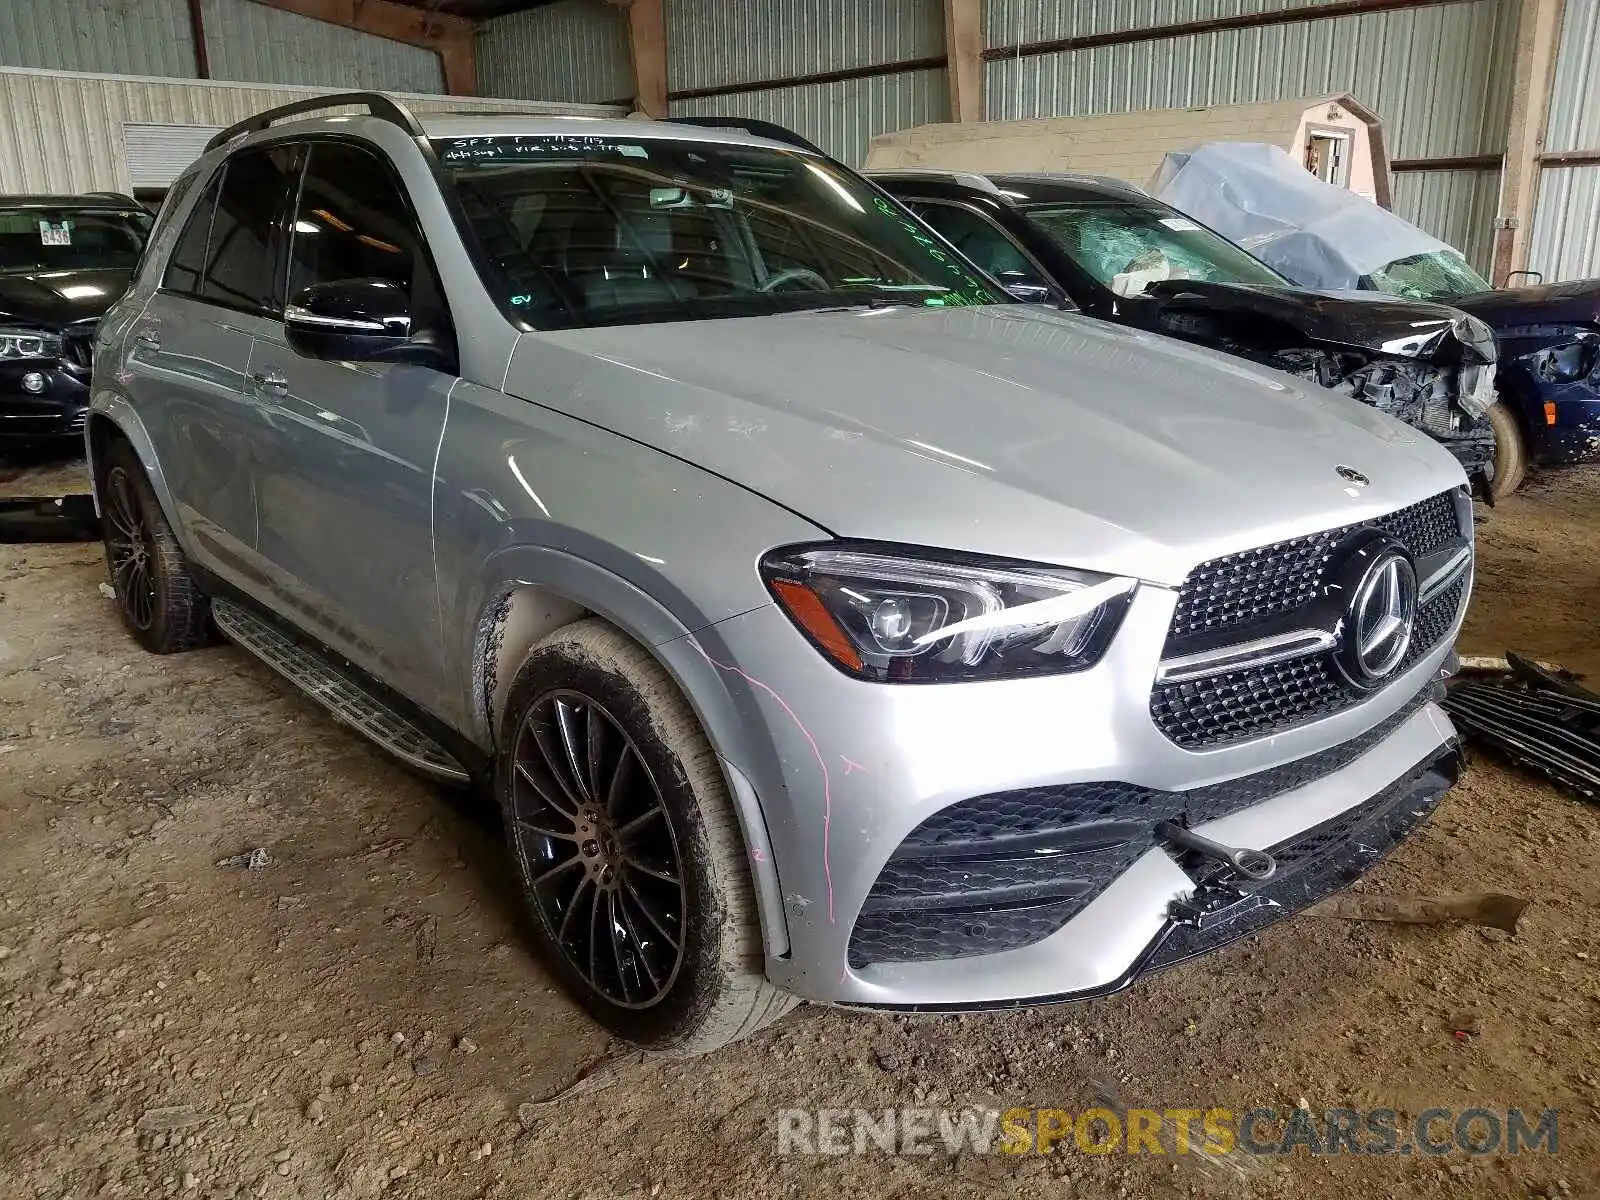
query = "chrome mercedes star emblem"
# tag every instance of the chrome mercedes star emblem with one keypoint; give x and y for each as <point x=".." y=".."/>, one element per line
<point x="1379" y="619"/>
<point x="1351" y="475"/>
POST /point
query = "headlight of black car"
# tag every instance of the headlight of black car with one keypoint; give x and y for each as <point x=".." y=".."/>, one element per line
<point x="893" y="615"/>
<point x="29" y="343"/>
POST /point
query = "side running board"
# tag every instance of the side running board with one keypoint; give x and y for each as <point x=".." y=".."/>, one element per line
<point x="341" y="695"/>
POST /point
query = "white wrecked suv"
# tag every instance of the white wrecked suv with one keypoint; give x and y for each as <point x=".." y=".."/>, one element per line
<point x="827" y="627"/>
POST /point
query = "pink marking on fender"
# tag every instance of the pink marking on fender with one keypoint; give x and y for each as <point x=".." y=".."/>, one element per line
<point x="851" y="766"/>
<point x="827" y="786"/>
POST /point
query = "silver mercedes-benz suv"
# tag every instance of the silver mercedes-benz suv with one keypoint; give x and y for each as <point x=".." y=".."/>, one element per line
<point x="827" y="627"/>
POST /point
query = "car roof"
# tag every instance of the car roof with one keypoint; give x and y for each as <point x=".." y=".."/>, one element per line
<point x="1033" y="186"/>
<point x="86" y="200"/>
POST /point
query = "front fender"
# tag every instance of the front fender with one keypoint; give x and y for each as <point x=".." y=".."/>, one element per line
<point x="566" y="586"/>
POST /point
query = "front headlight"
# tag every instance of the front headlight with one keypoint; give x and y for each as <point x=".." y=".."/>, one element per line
<point x="1472" y="331"/>
<point x="900" y="616"/>
<point x="29" y="343"/>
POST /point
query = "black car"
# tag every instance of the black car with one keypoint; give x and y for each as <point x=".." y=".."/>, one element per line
<point x="1120" y="255"/>
<point x="63" y="261"/>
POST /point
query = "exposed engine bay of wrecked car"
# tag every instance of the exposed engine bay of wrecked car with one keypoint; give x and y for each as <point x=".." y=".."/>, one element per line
<point x="1437" y="376"/>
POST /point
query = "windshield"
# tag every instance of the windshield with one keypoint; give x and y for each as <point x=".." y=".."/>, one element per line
<point x="1127" y="245"/>
<point x="595" y="230"/>
<point x="71" y="239"/>
<point x="1440" y="275"/>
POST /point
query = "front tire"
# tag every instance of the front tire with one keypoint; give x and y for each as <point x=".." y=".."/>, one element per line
<point x="1510" y="452"/>
<point x="627" y="847"/>
<point x="157" y="596"/>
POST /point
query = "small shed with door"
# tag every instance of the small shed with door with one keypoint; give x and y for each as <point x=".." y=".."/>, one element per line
<point x="1339" y="140"/>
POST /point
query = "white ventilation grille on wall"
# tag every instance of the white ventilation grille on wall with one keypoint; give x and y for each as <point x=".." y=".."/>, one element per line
<point x="158" y="154"/>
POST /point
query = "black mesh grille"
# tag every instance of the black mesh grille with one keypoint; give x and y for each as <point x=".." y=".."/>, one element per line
<point x="1424" y="527"/>
<point x="1253" y="585"/>
<point x="1270" y="699"/>
<point x="77" y="349"/>
<point x="1022" y="812"/>
<point x="913" y="937"/>
<point x="1245" y="588"/>
<point x="1220" y="799"/>
<point x="1434" y="620"/>
<point x="1241" y="704"/>
<point x="1005" y="870"/>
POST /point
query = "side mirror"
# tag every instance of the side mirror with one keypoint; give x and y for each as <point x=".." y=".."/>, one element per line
<point x="358" y="320"/>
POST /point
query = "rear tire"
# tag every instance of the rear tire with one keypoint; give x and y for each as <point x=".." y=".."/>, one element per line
<point x="1510" y="452"/>
<point x="628" y="848"/>
<point x="157" y="596"/>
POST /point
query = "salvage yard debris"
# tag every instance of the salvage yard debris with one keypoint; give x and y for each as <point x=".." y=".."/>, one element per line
<point x="1490" y="909"/>
<point x="1538" y="716"/>
<point x="251" y="860"/>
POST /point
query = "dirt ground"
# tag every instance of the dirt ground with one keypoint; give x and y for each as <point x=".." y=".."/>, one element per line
<point x="359" y="1017"/>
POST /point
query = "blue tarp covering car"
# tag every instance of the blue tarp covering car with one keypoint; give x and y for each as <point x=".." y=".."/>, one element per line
<point x="1328" y="237"/>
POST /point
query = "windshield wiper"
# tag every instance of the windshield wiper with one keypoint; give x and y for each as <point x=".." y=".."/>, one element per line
<point x="875" y="302"/>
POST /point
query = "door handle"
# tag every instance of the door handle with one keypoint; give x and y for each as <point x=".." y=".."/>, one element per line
<point x="271" y="381"/>
<point x="148" y="338"/>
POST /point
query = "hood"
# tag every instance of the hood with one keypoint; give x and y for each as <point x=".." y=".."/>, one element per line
<point x="1381" y="324"/>
<point x="1574" y="303"/>
<point x="57" y="298"/>
<point x="1004" y="430"/>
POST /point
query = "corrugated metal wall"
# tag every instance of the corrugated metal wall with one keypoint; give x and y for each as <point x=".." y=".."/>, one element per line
<point x="1455" y="206"/>
<point x="252" y="43"/>
<point x="715" y="42"/>
<point x="1011" y="22"/>
<point x="840" y="117"/>
<point x="1574" y="122"/>
<point x="1389" y="60"/>
<point x="42" y="110"/>
<point x="1566" y="224"/>
<point x="129" y="37"/>
<point x="245" y="41"/>
<point x="1565" y="242"/>
<point x="570" y="50"/>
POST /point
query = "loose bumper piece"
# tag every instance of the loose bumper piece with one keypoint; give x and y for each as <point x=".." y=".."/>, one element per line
<point x="1536" y="718"/>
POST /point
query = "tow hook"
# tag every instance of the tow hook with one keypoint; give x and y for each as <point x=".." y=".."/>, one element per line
<point x="1252" y="864"/>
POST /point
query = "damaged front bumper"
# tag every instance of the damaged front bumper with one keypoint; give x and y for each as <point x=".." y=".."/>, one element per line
<point x="1448" y="400"/>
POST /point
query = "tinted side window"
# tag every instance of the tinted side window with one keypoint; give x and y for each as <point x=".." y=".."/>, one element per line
<point x="240" y="270"/>
<point x="188" y="259"/>
<point x="352" y="222"/>
<point x="980" y="240"/>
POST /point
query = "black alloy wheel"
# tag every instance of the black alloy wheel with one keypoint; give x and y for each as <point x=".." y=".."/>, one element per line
<point x="600" y="853"/>
<point x="130" y="546"/>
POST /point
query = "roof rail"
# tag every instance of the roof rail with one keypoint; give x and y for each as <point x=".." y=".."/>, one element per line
<point x="377" y="104"/>
<point x="764" y="129"/>
<point x="971" y="179"/>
